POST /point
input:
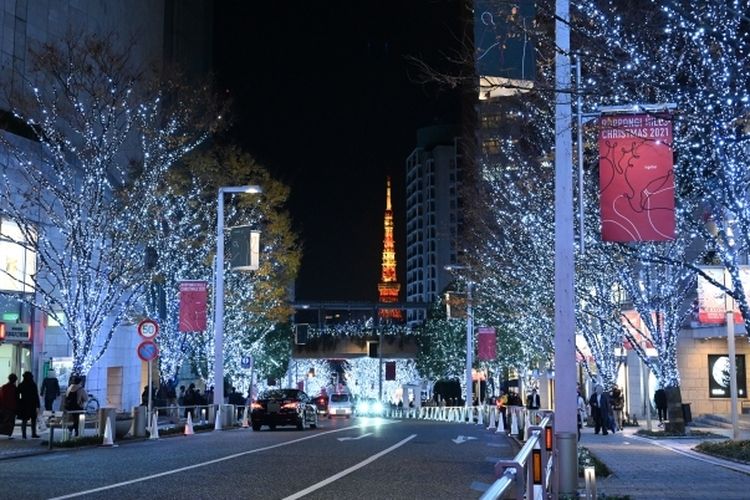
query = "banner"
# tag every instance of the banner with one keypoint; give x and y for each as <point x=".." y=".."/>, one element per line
<point x="711" y="299"/>
<point x="487" y="344"/>
<point x="244" y="249"/>
<point x="504" y="47"/>
<point x="636" y="178"/>
<point x="635" y="325"/>
<point x="193" y="306"/>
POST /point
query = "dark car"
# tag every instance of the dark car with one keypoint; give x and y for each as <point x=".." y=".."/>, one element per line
<point x="283" y="407"/>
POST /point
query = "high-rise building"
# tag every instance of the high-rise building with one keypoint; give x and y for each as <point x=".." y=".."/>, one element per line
<point x="432" y="214"/>
<point x="389" y="287"/>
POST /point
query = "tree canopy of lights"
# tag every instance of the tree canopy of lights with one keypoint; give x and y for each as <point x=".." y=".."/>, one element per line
<point x="99" y="124"/>
<point x="257" y="304"/>
<point x="441" y="344"/>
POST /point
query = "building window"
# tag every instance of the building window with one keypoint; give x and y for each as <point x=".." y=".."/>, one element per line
<point x="17" y="264"/>
<point x="491" y="146"/>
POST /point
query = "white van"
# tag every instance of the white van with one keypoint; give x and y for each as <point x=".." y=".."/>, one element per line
<point x="340" y="405"/>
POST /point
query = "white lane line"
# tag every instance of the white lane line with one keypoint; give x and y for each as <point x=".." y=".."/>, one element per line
<point x="202" y="464"/>
<point x="351" y="469"/>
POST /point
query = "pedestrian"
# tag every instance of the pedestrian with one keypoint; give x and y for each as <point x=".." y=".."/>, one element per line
<point x="533" y="401"/>
<point x="660" y="400"/>
<point x="28" y="403"/>
<point x="189" y="399"/>
<point x="75" y="398"/>
<point x="181" y="396"/>
<point x="618" y="404"/>
<point x="50" y="391"/>
<point x="581" y="406"/>
<point x="600" y="410"/>
<point x="8" y="406"/>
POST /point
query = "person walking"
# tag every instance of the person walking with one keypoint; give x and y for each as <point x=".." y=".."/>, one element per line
<point x="50" y="391"/>
<point x="600" y="410"/>
<point x="8" y="406"/>
<point x="660" y="400"/>
<point x="618" y="404"/>
<point x="581" y="407"/>
<point x="533" y="401"/>
<point x="28" y="403"/>
<point x="75" y="398"/>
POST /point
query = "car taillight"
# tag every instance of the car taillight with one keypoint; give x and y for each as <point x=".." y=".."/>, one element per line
<point x="256" y="406"/>
<point x="290" y="406"/>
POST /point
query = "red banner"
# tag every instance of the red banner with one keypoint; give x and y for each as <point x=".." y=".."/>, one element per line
<point x="390" y="370"/>
<point x="487" y="344"/>
<point x="193" y="306"/>
<point x="636" y="178"/>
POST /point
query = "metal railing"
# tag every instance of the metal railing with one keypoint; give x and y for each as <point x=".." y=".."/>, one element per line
<point x="529" y="473"/>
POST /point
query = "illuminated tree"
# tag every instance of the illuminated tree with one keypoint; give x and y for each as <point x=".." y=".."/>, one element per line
<point x="98" y="125"/>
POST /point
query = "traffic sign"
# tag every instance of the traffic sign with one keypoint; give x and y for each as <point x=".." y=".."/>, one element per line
<point x="148" y="328"/>
<point x="246" y="362"/>
<point x="148" y="350"/>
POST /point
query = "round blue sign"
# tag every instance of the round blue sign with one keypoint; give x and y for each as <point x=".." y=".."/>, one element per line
<point x="147" y="350"/>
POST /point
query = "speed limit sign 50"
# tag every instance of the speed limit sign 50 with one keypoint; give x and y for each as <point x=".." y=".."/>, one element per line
<point x="148" y="328"/>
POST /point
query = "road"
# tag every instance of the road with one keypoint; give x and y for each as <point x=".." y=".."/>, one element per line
<point x="358" y="458"/>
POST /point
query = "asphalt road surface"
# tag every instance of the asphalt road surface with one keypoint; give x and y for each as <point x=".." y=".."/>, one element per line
<point x="361" y="458"/>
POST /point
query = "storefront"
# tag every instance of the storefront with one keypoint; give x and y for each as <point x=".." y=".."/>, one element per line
<point x="17" y="265"/>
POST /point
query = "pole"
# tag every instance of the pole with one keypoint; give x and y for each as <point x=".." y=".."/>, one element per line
<point x="565" y="379"/>
<point x="150" y="391"/>
<point x="729" y="305"/>
<point x="644" y="385"/>
<point x="219" y="304"/>
<point x="469" y="345"/>
<point x="380" y="356"/>
<point x="579" y="144"/>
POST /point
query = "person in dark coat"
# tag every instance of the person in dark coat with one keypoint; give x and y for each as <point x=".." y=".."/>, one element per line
<point x="600" y="410"/>
<point x="28" y="403"/>
<point x="50" y="391"/>
<point x="660" y="400"/>
<point x="8" y="406"/>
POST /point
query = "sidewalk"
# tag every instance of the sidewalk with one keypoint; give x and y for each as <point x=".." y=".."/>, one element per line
<point x="651" y="469"/>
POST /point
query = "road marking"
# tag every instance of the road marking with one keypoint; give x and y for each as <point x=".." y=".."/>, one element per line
<point x="354" y="438"/>
<point x="202" y="464"/>
<point x="351" y="469"/>
<point x="462" y="439"/>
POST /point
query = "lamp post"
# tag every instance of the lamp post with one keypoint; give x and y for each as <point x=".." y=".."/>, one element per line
<point x="469" y="337"/>
<point x="219" y="291"/>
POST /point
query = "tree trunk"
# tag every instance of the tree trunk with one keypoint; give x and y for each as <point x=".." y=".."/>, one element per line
<point x="676" y="421"/>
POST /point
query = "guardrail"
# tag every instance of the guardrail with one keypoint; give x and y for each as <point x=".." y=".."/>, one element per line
<point x="529" y="474"/>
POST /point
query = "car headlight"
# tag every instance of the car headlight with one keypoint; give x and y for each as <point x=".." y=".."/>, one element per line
<point x="377" y="407"/>
<point x="363" y="407"/>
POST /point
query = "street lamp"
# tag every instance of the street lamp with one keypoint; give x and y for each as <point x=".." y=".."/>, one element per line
<point x="219" y="291"/>
<point x="469" y="336"/>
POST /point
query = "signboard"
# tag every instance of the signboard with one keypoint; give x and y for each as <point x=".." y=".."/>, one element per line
<point x="15" y="332"/>
<point x="634" y="324"/>
<point x="147" y="350"/>
<point x="718" y="376"/>
<point x="148" y="329"/>
<point x="486" y="337"/>
<point x="711" y="299"/>
<point x="636" y="178"/>
<point x="244" y="249"/>
<point x="193" y="306"/>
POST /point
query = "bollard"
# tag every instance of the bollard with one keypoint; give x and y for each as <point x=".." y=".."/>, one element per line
<point x="567" y="462"/>
<point x="139" y="421"/>
<point x="81" y="424"/>
<point x="589" y="473"/>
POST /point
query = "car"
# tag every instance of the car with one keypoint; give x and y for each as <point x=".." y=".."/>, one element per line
<point x="340" y="405"/>
<point x="369" y="408"/>
<point x="279" y="407"/>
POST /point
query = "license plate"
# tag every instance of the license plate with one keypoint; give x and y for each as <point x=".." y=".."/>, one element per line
<point x="273" y="407"/>
<point x="340" y="412"/>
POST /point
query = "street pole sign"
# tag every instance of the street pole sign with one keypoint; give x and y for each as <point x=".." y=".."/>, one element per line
<point x="148" y="350"/>
<point x="148" y="329"/>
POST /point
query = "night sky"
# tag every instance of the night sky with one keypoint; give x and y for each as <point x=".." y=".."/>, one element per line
<point x="325" y="99"/>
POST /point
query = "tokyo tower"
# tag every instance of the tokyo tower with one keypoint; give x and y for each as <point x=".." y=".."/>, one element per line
<point x="388" y="287"/>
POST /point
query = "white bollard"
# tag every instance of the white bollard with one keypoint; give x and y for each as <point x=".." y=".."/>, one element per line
<point x="480" y="419"/>
<point x="245" y="423"/>
<point x="154" y="431"/>
<point x="108" y="441"/>
<point x="189" y="425"/>
<point x="514" y="423"/>
<point x="493" y="423"/>
<point x="217" y="419"/>
<point x="500" y="423"/>
<point x="81" y="424"/>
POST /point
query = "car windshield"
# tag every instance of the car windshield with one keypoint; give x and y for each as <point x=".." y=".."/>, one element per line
<point x="339" y="398"/>
<point x="281" y="394"/>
